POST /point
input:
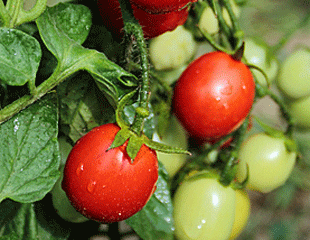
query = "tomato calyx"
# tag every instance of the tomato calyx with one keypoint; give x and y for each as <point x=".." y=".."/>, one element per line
<point x="136" y="140"/>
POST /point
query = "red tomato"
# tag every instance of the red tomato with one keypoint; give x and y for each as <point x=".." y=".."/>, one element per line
<point x="152" y="24"/>
<point x="161" y="6"/>
<point x="104" y="185"/>
<point x="213" y="96"/>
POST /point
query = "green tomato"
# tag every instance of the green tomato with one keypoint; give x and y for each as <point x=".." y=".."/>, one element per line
<point x="242" y="213"/>
<point x="269" y="162"/>
<point x="300" y="111"/>
<point x="294" y="74"/>
<point x="175" y="136"/>
<point x="208" y="21"/>
<point x="256" y="53"/>
<point x="203" y="209"/>
<point x="172" y="50"/>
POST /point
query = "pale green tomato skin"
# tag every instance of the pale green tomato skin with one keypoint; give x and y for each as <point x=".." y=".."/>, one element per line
<point x="270" y="164"/>
<point x="242" y="213"/>
<point x="294" y="76"/>
<point x="255" y="53"/>
<point x="175" y="136"/>
<point x="203" y="210"/>
<point x="172" y="49"/>
<point x="208" y="21"/>
<point x="300" y="111"/>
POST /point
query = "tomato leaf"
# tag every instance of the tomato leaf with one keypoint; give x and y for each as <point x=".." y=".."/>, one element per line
<point x="29" y="221"/>
<point x="72" y="57"/>
<point x="82" y="106"/>
<point x="20" y="57"/>
<point x="29" y="154"/>
<point x="155" y="220"/>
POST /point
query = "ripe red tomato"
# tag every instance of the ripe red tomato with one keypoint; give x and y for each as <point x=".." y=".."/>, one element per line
<point x="152" y="24"/>
<point x="213" y="96"/>
<point x="104" y="185"/>
<point x="161" y="6"/>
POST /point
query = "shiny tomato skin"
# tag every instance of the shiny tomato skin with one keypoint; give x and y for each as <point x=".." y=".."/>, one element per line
<point x="161" y="6"/>
<point x="213" y="96"/>
<point x="104" y="185"/>
<point x="153" y="25"/>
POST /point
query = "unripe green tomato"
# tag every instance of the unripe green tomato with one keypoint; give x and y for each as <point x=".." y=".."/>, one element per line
<point x="256" y="53"/>
<point x="300" y="111"/>
<point x="269" y="162"/>
<point x="242" y="213"/>
<point x="208" y="21"/>
<point x="175" y="136"/>
<point x="172" y="50"/>
<point x="203" y="209"/>
<point x="294" y="76"/>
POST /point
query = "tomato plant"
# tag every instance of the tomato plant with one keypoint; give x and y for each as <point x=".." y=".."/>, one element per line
<point x="203" y="209"/>
<point x="269" y="162"/>
<point x="107" y="76"/>
<point x="104" y="185"/>
<point x="213" y="96"/>
<point x="152" y="24"/>
<point x="162" y="6"/>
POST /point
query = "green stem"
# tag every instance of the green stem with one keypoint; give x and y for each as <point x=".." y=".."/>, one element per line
<point x="57" y="77"/>
<point x="132" y="26"/>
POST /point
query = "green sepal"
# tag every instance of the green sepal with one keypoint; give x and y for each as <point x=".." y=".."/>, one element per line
<point x="163" y="147"/>
<point x="120" y="109"/>
<point x="134" y="144"/>
<point x="290" y="143"/>
<point x="121" y="137"/>
<point x="241" y="185"/>
<point x="229" y="172"/>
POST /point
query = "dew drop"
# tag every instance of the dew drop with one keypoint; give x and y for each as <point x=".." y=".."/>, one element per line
<point x="80" y="169"/>
<point x="218" y="99"/>
<point x="91" y="186"/>
<point x="227" y="90"/>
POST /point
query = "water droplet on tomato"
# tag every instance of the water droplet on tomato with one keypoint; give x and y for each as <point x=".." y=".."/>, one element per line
<point x="91" y="186"/>
<point x="80" y="169"/>
<point x="227" y="90"/>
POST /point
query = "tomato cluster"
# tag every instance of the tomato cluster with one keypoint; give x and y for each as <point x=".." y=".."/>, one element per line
<point x="155" y="17"/>
<point x="210" y="99"/>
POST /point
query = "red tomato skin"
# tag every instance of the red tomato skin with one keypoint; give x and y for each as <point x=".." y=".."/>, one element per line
<point x="213" y="96"/>
<point x="104" y="185"/>
<point x="153" y="25"/>
<point x="161" y="6"/>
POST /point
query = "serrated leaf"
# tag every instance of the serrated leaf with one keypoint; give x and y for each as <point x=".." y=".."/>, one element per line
<point x="63" y="25"/>
<point x="82" y="106"/>
<point x="155" y="220"/>
<point x="112" y="80"/>
<point x="30" y="221"/>
<point x="20" y="57"/>
<point x="29" y="154"/>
